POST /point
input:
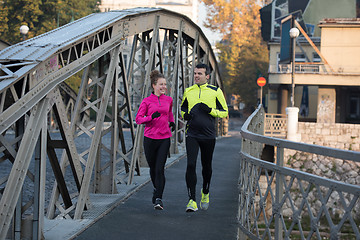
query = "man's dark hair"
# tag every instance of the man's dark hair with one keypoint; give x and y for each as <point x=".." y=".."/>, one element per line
<point x="203" y="65"/>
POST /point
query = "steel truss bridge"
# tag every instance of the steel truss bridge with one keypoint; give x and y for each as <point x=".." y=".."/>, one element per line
<point x="114" y="53"/>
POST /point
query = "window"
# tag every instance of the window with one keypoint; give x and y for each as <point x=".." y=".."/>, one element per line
<point x="355" y="107"/>
<point x="277" y="62"/>
<point x="316" y="57"/>
<point x="310" y="29"/>
<point x="300" y="57"/>
<point x="281" y="68"/>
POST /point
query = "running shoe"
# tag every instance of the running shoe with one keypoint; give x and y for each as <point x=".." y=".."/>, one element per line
<point x="204" y="203"/>
<point x="192" y="206"/>
<point x="158" y="204"/>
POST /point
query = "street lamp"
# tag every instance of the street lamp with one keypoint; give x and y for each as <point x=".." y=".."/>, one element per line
<point x="292" y="112"/>
<point x="24" y="30"/>
<point x="294" y="33"/>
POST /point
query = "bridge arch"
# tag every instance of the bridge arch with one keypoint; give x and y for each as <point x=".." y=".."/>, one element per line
<point x="115" y="52"/>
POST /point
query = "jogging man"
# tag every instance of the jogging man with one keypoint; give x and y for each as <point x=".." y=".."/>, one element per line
<point x="201" y="104"/>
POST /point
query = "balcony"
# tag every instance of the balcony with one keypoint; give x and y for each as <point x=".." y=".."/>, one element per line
<point x="299" y="68"/>
<point x="313" y="74"/>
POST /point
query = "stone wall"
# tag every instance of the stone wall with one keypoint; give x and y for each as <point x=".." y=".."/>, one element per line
<point x="341" y="136"/>
<point x="335" y="135"/>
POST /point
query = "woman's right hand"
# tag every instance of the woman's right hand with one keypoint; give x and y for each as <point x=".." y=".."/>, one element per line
<point x="155" y="115"/>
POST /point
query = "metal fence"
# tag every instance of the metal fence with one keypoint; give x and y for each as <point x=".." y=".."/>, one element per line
<point x="275" y="125"/>
<point x="299" y="68"/>
<point x="267" y="190"/>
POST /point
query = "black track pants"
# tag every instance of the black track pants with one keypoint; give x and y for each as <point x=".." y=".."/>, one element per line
<point x="192" y="148"/>
<point x="156" y="151"/>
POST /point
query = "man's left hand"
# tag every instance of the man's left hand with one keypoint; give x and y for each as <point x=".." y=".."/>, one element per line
<point x="205" y="107"/>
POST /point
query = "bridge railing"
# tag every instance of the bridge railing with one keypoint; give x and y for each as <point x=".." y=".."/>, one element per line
<point x="278" y="202"/>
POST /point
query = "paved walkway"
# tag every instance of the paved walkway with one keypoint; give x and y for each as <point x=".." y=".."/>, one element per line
<point x="135" y="218"/>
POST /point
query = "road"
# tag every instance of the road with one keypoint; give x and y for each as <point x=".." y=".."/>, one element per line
<point x="135" y="218"/>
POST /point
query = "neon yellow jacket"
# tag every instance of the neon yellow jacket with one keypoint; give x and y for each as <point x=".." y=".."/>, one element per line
<point x="201" y="124"/>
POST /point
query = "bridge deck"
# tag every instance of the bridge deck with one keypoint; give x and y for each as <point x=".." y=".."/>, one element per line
<point x="136" y="219"/>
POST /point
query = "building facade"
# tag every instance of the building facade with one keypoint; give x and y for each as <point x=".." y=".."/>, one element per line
<point x="327" y="66"/>
<point x="187" y="7"/>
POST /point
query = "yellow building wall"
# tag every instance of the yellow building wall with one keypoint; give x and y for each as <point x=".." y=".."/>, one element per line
<point x="341" y="48"/>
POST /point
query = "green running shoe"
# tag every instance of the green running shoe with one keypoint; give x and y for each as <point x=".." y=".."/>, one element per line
<point x="204" y="203"/>
<point x="192" y="206"/>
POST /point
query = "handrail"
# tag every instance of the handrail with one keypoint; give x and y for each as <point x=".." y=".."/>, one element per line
<point x="277" y="202"/>
<point x="310" y="148"/>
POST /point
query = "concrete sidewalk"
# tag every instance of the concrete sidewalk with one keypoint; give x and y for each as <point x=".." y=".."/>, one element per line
<point x="101" y="204"/>
<point x="135" y="218"/>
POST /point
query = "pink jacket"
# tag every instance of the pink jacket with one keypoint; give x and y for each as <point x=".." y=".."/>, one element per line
<point x="157" y="128"/>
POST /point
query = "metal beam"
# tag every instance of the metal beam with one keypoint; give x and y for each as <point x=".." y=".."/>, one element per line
<point x="21" y="165"/>
<point x="96" y="139"/>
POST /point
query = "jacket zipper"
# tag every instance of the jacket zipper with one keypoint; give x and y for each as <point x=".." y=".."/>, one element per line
<point x="159" y="101"/>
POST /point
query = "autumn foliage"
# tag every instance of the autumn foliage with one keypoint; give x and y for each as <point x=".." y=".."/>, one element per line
<point x="244" y="55"/>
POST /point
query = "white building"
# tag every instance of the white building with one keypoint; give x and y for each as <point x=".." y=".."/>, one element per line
<point x="187" y="7"/>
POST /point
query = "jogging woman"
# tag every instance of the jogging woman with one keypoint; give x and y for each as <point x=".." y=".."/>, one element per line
<point x="155" y="112"/>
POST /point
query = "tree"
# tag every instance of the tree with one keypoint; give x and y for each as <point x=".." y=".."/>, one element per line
<point x="40" y="16"/>
<point x="3" y="19"/>
<point x="16" y="13"/>
<point x="242" y="50"/>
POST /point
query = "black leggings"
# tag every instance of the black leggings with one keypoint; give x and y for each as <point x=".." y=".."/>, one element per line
<point x="156" y="151"/>
<point x="192" y="148"/>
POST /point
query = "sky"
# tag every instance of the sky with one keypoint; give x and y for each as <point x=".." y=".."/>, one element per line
<point x="213" y="37"/>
